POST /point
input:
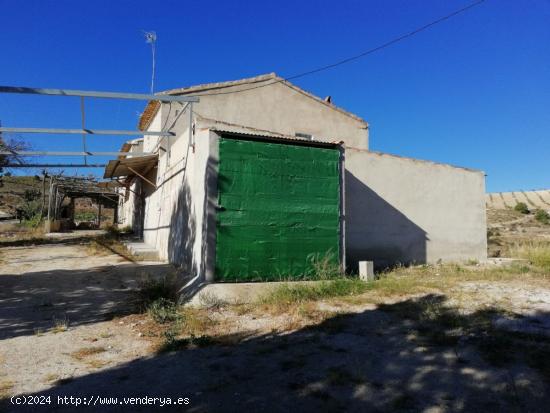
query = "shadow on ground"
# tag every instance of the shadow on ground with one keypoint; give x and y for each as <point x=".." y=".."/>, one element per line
<point x="409" y="356"/>
<point x="38" y="301"/>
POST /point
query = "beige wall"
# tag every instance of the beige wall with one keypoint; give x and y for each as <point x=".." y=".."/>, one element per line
<point x="405" y="210"/>
<point x="282" y="109"/>
<point x="397" y="209"/>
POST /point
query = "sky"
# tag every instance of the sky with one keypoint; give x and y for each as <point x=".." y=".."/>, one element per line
<point x="473" y="91"/>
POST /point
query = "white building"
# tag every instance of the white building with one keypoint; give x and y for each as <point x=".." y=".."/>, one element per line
<point x="376" y="206"/>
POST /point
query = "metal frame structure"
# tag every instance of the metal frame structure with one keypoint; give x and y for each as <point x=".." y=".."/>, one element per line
<point x="187" y="100"/>
<point x="55" y="165"/>
<point x="96" y="94"/>
<point x="87" y="153"/>
<point x="61" y="187"/>
<point x="85" y="131"/>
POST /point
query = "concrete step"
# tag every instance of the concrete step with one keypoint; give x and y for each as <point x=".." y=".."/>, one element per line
<point x="143" y="251"/>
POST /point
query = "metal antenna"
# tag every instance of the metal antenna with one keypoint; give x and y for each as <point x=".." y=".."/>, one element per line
<point x="151" y="38"/>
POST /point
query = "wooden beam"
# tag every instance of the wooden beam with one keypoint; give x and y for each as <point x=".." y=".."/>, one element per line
<point x="142" y="177"/>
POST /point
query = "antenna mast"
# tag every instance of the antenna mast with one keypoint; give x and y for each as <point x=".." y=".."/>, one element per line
<point x="151" y="38"/>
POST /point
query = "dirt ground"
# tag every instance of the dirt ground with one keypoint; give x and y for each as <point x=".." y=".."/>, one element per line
<point x="67" y="329"/>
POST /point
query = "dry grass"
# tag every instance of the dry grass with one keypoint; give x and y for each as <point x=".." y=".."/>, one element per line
<point x="85" y="352"/>
<point x="5" y="388"/>
<point x="60" y="325"/>
<point x="537" y="252"/>
<point x="293" y="306"/>
<point x="16" y="232"/>
<point x="96" y="364"/>
<point x="51" y="378"/>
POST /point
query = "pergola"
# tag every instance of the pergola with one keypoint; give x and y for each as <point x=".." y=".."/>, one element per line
<point x="84" y="131"/>
<point x="73" y="188"/>
<point x="105" y="195"/>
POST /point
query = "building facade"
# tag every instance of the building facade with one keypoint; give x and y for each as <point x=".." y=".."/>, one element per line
<point x="375" y="207"/>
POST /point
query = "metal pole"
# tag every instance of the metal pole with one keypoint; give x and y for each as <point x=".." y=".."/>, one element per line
<point x="191" y="138"/>
<point x="50" y="199"/>
<point x="98" y="214"/>
<point x="83" y="116"/>
<point x="86" y="131"/>
<point x="343" y="206"/>
<point x="96" y="94"/>
<point x="52" y="153"/>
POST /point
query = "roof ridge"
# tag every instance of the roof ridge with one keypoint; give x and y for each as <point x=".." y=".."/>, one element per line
<point x="217" y="85"/>
<point x="153" y="105"/>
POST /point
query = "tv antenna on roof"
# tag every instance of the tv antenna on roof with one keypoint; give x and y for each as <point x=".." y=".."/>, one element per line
<point x="151" y="38"/>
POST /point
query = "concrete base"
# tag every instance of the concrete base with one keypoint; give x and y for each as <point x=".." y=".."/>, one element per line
<point x="211" y="295"/>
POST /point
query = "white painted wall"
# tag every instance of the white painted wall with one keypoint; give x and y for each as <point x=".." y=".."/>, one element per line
<point x="397" y="209"/>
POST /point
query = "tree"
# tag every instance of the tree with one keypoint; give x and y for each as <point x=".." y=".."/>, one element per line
<point x="9" y="145"/>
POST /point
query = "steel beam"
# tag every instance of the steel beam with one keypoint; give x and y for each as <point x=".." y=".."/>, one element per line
<point x="95" y="94"/>
<point x="50" y="153"/>
<point x="51" y="165"/>
<point x="85" y="131"/>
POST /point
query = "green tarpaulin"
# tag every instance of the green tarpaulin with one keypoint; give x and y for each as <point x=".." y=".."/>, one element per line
<point x="279" y="209"/>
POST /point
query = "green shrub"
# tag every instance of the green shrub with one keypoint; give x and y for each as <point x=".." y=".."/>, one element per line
<point x="542" y="216"/>
<point x="85" y="216"/>
<point x="325" y="267"/>
<point x="163" y="310"/>
<point x="521" y="207"/>
<point x="32" y="221"/>
<point x="151" y="290"/>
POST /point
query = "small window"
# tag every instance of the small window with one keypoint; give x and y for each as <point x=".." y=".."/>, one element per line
<point x="304" y="136"/>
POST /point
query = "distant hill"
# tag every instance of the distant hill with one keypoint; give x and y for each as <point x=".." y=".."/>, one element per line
<point x="13" y="189"/>
<point x="533" y="199"/>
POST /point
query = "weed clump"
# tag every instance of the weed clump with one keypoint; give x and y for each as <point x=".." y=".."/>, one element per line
<point x="542" y="216"/>
<point x="299" y="293"/>
<point x="152" y="290"/>
<point x="163" y="310"/>
<point x="522" y="208"/>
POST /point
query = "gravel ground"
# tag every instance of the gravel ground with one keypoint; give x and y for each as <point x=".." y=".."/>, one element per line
<point x="66" y="330"/>
<point x="56" y="300"/>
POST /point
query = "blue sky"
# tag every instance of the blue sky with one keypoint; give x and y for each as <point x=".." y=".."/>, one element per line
<point x="473" y="91"/>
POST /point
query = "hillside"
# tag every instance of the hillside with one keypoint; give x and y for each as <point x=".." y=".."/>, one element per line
<point x="13" y="188"/>
<point x="12" y="196"/>
<point x="507" y="227"/>
<point x="533" y="199"/>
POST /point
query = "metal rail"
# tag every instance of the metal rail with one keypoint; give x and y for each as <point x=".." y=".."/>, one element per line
<point x="96" y="94"/>
<point x="85" y="131"/>
<point x="50" y="153"/>
<point x="56" y="165"/>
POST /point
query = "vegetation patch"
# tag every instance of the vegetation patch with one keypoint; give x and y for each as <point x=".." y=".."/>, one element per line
<point x="85" y="352"/>
<point x="152" y="289"/>
<point x="522" y="208"/>
<point x="542" y="216"/>
<point x="5" y="388"/>
<point x="537" y="252"/>
<point x="289" y="293"/>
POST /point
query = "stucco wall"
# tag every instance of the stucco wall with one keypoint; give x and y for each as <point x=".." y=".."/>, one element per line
<point x="405" y="210"/>
<point x="282" y="109"/>
<point x="174" y="213"/>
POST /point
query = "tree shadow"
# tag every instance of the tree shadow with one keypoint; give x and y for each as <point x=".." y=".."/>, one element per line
<point x="37" y="301"/>
<point x="407" y="356"/>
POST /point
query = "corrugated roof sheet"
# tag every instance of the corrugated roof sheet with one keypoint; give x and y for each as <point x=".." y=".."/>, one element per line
<point x="123" y="167"/>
